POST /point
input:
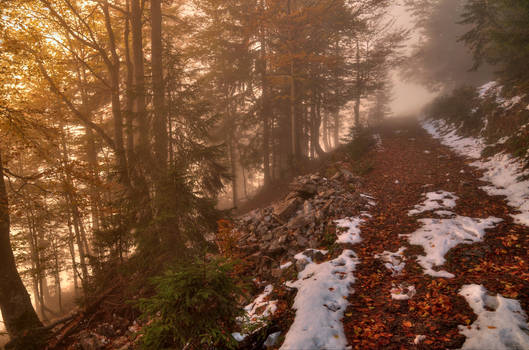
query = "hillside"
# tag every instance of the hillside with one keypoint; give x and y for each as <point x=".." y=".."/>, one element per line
<point x="425" y="250"/>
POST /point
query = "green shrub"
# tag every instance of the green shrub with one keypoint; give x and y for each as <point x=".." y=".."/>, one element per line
<point x="359" y="142"/>
<point x="195" y="307"/>
<point x="459" y="107"/>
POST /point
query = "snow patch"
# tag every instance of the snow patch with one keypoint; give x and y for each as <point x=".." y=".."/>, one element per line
<point x="501" y="323"/>
<point x="320" y="304"/>
<point x="438" y="236"/>
<point x="285" y="265"/>
<point x="261" y="307"/>
<point x="435" y="200"/>
<point x="352" y="235"/>
<point x="465" y="146"/>
<point x="419" y="338"/>
<point x="393" y="261"/>
<point x="402" y="292"/>
<point x="501" y="170"/>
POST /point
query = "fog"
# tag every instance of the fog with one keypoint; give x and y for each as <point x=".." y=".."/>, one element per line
<point x="437" y="60"/>
<point x="408" y="97"/>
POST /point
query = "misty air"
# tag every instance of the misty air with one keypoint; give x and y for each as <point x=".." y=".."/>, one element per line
<point x="264" y="174"/>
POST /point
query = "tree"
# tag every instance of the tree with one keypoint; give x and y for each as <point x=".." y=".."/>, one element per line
<point x="498" y="35"/>
<point x="18" y="313"/>
<point x="439" y="60"/>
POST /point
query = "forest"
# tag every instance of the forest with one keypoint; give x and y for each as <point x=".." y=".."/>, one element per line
<point x="163" y="161"/>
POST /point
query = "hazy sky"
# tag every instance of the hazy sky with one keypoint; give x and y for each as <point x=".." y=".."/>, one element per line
<point x="408" y="97"/>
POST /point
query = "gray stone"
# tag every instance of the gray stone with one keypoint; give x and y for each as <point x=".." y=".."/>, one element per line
<point x="272" y="339"/>
<point x="307" y="208"/>
<point x="267" y="236"/>
<point x="274" y="248"/>
<point x="297" y="222"/>
<point x="284" y="210"/>
<point x="302" y="241"/>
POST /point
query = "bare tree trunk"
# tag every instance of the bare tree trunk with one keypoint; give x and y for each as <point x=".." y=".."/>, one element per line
<point x="233" y="163"/>
<point x="113" y="69"/>
<point x="139" y="79"/>
<point x="358" y="89"/>
<point x="129" y="86"/>
<point x="73" y="212"/>
<point x="316" y="122"/>
<point x="293" y="126"/>
<point x="71" y="248"/>
<point x="336" y="129"/>
<point x="159" y="119"/>
<point x="265" y="105"/>
<point x="57" y="273"/>
<point x="15" y="304"/>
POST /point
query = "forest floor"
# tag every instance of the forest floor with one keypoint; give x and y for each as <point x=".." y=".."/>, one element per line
<point x="397" y="303"/>
<point x="428" y="258"/>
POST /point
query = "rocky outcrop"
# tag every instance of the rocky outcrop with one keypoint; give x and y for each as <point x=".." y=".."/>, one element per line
<point x="271" y="236"/>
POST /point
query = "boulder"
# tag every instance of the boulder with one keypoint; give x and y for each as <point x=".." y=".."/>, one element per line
<point x="305" y="190"/>
<point x="274" y="248"/>
<point x="298" y="222"/>
<point x="302" y="241"/>
<point x="285" y="209"/>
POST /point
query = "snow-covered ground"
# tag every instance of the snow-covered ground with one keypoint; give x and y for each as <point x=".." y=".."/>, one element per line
<point x="320" y="304"/>
<point x="501" y="323"/>
<point x="321" y="299"/>
<point x="501" y="170"/>
<point x="323" y="288"/>
<point x="435" y="200"/>
<point x="351" y="234"/>
<point x="393" y="261"/>
<point x="262" y="306"/>
<point x="438" y="236"/>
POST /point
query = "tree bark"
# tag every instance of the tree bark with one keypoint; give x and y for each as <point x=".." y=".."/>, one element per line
<point x="129" y="95"/>
<point x="233" y="163"/>
<point x="358" y="89"/>
<point x="113" y="69"/>
<point x="316" y="123"/>
<point x="336" y="129"/>
<point x="139" y="79"/>
<point x="265" y="106"/>
<point x="159" y="118"/>
<point x="293" y="127"/>
<point x="15" y="304"/>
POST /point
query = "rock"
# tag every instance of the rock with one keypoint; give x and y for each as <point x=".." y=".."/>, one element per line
<point x="306" y="190"/>
<point x="274" y="248"/>
<point x="262" y="229"/>
<point x="284" y="210"/>
<point x="91" y="341"/>
<point x="302" y="241"/>
<point x="315" y="177"/>
<point x="297" y="222"/>
<point x="291" y="195"/>
<point x="328" y="193"/>
<point x="315" y="255"/>
<point x="276" y="273"/>
<point x="307" y="208"/>
<point x="267" y="236"/>
<point x="272" y="340"/>
<point x="301" y="264"/>
<point x="106" y="330"/>
<point x="336" y="176"/>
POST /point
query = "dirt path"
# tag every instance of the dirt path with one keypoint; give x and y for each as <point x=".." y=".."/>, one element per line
<point x="410" y="164"/>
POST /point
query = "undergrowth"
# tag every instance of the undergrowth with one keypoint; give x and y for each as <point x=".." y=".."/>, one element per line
<point x="503" y="125"/>
<point x="194" y="307"/>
